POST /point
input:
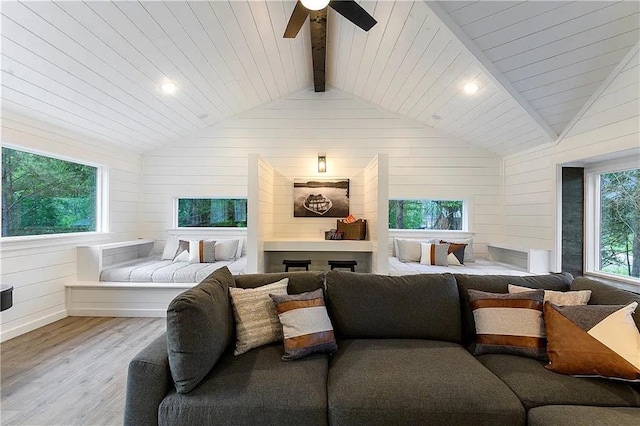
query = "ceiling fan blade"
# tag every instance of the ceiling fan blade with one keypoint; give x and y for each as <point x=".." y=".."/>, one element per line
<point x="298" y="16"/>
<point x="318" y="26"/>
<point x="354" y="12"/>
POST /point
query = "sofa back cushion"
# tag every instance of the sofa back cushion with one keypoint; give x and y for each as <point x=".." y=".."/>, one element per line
<point x="378" y="306"/>
<point x="200" y="327"/>
<point x="603" y="294"/>
<point x="299" y="281"/>
<point x="500" y="284"/>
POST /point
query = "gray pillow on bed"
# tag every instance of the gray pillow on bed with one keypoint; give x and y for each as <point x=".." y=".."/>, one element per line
<point x="226" y="249"/>
<point x="200" y="327"/>
<point x="408" y="250"/>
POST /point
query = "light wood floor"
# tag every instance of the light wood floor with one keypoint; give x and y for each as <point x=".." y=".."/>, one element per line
<point x="71" y="372"/>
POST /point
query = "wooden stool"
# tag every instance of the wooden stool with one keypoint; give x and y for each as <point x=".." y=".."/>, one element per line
<point x="296" y="264"/>
<point x="349" y="264"/>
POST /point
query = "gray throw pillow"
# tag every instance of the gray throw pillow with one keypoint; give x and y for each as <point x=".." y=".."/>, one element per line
<point x="199" y="329"/>
<point x="226" y="249"/>
<point x="408" y="250"/>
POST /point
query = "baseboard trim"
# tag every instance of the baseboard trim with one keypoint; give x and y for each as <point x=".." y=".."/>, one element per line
<point x="33" y="325"/>
<point x="107" y="312"/>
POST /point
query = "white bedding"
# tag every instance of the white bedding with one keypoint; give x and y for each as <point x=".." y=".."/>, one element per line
<point x="479" y="267"/>
<point x="155" y="270"/>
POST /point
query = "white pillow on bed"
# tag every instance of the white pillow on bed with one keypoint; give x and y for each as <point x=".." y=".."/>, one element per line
<point x="227" y="249"/>
<point x="196" y="251"/>
<point x="408" y="249"/>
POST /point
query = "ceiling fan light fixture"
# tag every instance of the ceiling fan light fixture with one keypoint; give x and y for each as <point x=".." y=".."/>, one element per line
<point x="470" y="88"/>
<point x="315" y="4"/>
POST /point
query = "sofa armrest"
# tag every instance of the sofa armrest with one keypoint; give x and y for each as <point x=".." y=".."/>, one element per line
<point x="148" y="381"/>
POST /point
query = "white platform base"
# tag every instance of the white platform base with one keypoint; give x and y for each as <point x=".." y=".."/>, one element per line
<point x="110" y="299"/>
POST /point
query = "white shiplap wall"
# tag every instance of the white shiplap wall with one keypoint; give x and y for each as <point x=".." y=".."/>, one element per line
<point x="39" y="269"/>
<point x="611" y="124"/>
<point x="289" y="133"/>
<point x="376" y="203"/>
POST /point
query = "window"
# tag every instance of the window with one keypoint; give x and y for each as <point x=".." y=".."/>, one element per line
<point x="45" y="195"/>
<point x="613" y="217"/>
<point x="212" y="212"/>
<point x="427" y="214"/>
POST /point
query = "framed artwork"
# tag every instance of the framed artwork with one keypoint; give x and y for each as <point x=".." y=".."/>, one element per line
<point x="321" y="198"/>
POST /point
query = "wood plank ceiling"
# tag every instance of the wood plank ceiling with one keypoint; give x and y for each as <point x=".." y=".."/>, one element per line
<point x="97" y="67"/>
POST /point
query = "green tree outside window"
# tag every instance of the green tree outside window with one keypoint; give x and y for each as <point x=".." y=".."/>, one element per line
<point x="44" y="195"/>
<point x="426" y="214"/>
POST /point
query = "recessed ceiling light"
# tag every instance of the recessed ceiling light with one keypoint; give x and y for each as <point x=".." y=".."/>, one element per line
<point x="169" y="87"/>
<point x="436" y="117"/>
<point x="315" y="4"/>
<point x="203" y="116"/>
<point x="470" y="88"/>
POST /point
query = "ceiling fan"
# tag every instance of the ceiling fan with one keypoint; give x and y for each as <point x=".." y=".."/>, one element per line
<point x="317" y="12"/>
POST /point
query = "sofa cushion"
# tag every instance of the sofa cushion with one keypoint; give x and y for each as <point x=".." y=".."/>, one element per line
<point x="407" y="381"/>
<point x="299" y="281"/>
<point x="306" y="326"/>
<point x="377" y="306"/>
<point x="256" y="318"/>
<point x="199" y="329"/>
<point x="499" y="284"/>
<point x="255" y="388"/>
<point x="537" y="386"/>
<point x="597" y="340"/>
<point x="603" y="294"/>
<point x="575" y="415"/>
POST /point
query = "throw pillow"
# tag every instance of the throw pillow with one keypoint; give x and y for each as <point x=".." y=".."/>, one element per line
<point x="469" y="256"/>
<point x="509" y="323"/>
<point x="196" y="251"/>
<point x="226" y="249"/>
<point x="600" y="340"/>
<point x="199" y="329"/>
<point x="408" y="250"/>
<point x="170" y="248"/>
<point x="453" y="260"/>
<point x="457" y="249"/>
<point x="256" y="318"/>
<point x="306" y="326"/>
<point x="434" y="254"/>
<point x="562" y="298"/>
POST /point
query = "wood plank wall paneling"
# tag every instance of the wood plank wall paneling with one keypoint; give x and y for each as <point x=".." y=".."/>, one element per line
<point x="40" y="271"/>
<point x="289" y="134"/>
<point x="610" y="125"/>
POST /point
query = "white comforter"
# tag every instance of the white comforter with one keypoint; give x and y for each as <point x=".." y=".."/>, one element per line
<point x="479" y="267"/>
<point x="156" y="270"/>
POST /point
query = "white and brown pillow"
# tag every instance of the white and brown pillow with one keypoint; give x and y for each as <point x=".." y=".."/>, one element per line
<point x="509" y="323"/>
<point x="562" y="298"/>
<point x="456" y="249"/>
<point x="600" y="340"/>
<point x="195" y="251"/>
<point x="256" y="318"/>
<point x="434" y="254"/>
<point x="305" y="323"/>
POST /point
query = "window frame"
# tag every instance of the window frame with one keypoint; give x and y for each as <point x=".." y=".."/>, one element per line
<point x="174" y="211"/>
<point x="465" y="214"/>
<point x="102" y="199"/>
<point x="592" y="215"/>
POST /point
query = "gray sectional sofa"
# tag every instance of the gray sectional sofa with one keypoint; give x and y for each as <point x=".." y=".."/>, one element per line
<point x="402" y="358"/>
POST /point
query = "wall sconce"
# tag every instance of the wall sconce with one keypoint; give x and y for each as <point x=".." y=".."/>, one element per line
<point x="322" y="163"/>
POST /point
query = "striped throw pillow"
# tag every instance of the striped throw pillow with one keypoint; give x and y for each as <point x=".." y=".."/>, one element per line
<point x="509" y="323"/>
<point x="434" y="254"/>
<point x="196" y="251"/>
<point x="305" y="323"/>
<point x="256" y="319"/>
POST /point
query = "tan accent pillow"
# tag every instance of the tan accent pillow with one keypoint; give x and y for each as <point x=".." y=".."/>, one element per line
<point x="600" y="340"/>
<point x="563" y="298"/>
<point x="256" y="318"/>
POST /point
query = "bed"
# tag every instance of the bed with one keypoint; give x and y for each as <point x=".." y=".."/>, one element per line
<point x="479" y="267"/>
<point x="407" y="257"/>
<point x="156" y="270"/>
